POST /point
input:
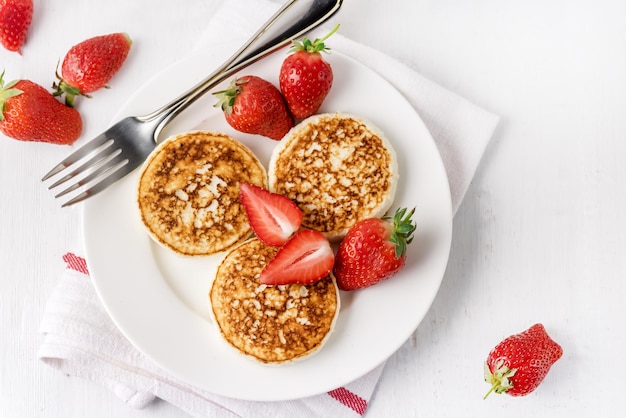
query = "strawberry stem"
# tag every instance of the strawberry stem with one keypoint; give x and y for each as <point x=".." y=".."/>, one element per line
<point x="314" y="46"/>
<point x="403" y="228"/>
<point x="63" y="88"/>
<point x="70" y="92"/>
<point x="499" y="379"/>
<point x="226" y="97"/>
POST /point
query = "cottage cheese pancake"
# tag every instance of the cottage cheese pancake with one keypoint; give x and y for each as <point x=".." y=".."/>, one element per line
<point x="188" y="192"/>
<point x="338" y="169"/>
<point x="272" y="324"/>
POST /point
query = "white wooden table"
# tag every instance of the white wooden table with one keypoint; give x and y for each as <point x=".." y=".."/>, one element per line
<point x="540" y="236"/>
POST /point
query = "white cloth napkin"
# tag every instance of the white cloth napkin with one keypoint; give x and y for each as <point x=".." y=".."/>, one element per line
<point x="81" y="340"/>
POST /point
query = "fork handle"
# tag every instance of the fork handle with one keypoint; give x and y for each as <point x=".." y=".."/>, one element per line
<point x="291" y="21"/>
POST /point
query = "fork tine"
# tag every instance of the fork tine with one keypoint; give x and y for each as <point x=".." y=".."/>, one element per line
<point x="108" y="177"/>
<point x="110" y="162"/>
<point x="101" y="157"/>
<point x="77" y="155"/>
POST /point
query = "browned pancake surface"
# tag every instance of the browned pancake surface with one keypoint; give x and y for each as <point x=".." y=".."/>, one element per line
<point x="273" y="324"/>
<point x="338" y="169"/>
<point x="188" y="192"/>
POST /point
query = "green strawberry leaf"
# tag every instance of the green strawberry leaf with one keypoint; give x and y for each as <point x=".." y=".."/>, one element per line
<point x="6" y="92"/>
<point x="314" y="46"/>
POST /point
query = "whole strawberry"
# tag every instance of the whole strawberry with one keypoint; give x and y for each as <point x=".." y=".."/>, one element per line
<point x="373" y="250"/>
<point x="255" y="106"/>
<point x="29" y="112"/>
<point x="519" y="363"/>
<point x="305" y="77"/>
<point x="89" y="65"/>
<point x="15" y="19"/>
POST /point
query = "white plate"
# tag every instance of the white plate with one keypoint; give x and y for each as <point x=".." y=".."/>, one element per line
<point x="159" y="300"/>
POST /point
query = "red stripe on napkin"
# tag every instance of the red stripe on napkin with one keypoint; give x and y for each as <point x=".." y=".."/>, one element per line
<point x="75" y="262"/>
<point x="349" y="399"/>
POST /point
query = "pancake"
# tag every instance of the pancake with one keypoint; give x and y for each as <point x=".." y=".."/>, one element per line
<point x="188" y="192"/>
<point x="271" y="324"/>
<point x="338" y="168"/>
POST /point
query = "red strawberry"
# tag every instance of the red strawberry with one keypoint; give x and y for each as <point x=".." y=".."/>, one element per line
<point x="255" y="106"/>
<point x="373" y="250"/>
<point x="89" y="65"/>
<point x="305" y="77"/>
<point x="29" y="112"/>
<point x="273" y="217"/>
<point x="15" y="19"/>
<point x="306" y="258"/>
<point x="519" y="363"/>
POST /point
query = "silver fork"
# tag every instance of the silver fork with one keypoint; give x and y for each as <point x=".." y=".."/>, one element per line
<point x="125" y="145"/>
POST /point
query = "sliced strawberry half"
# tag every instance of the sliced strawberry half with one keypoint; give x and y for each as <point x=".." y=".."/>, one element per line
<point x="273" y="217"/>
<point x="306" y="258"/>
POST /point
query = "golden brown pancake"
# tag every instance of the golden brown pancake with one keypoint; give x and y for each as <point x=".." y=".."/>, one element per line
<point x="338" y="169"/>
<point x="188" y="193"/>
<point x="272" y="324"/>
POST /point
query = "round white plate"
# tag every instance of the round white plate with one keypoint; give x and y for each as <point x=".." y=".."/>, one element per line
<point x="159" y="300"/>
